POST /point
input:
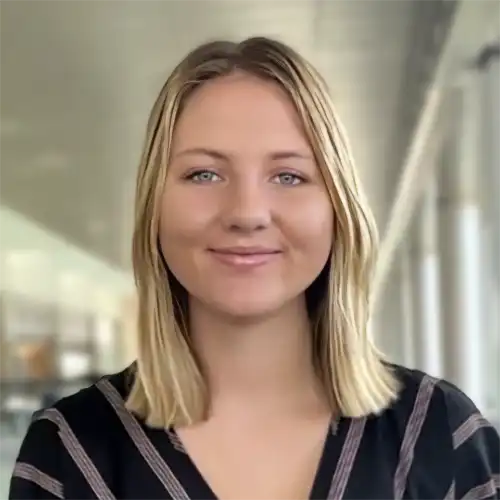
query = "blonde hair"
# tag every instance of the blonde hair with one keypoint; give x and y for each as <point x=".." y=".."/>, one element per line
<point x="168" y="387"/>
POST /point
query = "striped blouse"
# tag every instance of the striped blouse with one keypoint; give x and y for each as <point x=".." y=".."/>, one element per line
<point x="431" y="443"/>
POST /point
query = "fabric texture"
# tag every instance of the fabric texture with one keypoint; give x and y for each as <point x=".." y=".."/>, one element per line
<point x="431" y="443"/>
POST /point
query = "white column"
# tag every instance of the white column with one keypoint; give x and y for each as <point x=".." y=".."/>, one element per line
<point x="489" y="65"/>
<point x="426" y="296"/>
<point x="406" y="302"/>
<point x="4" y="343"/>
<point x="491" y="312"/>
<point x="460" y="244"/>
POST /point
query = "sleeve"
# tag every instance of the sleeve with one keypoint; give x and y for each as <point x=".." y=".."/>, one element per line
<point x="476" y="449"/>
<point x="37" y="467"/>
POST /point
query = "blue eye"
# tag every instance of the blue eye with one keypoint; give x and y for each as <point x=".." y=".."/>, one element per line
<point x="203" y="176"/>
<point x="288" y="179"/>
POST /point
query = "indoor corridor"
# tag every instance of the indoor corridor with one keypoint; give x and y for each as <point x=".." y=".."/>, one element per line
<point x="417" y="86"/>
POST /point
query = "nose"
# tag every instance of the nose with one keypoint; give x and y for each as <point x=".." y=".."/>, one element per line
<point x="246" y="209"/>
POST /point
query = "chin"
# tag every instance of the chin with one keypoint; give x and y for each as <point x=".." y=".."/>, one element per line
<point x="247" y="308"/>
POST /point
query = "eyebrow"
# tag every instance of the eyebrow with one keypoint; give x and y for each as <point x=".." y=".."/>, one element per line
<point x="218" y="155"/>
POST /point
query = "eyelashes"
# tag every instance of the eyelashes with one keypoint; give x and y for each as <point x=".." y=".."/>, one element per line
<point x="204" y="176"/>
<point x="290" y="179"/>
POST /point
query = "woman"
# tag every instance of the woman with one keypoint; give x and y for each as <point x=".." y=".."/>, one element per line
<point x="255" y="377"/>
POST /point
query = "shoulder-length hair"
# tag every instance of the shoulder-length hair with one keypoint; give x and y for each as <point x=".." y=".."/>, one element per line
<point x="168" y="387"/>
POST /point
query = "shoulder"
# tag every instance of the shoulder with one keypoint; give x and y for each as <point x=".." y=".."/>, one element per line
<point x="440" y="413"/>
<point x="417" y="420"/>
<point x="421" y="399"/>
<point x="90" y="408"/>
<point x="419" y="387"/>
<point x="430" y="395"/>
<point x="69" y="432"/>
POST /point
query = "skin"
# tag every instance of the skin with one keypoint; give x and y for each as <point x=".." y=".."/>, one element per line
<point x="259" y="187"/>
<point x="242" y="173"/>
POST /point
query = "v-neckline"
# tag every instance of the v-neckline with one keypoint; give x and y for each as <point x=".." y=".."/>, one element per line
<point x="196" y="486"/>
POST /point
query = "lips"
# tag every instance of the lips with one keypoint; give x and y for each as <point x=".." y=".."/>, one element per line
<point x="245" y="250"/>
<point x="245" y="257"/>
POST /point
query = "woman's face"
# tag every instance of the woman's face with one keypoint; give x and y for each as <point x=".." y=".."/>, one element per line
<point x="246" y="221"/>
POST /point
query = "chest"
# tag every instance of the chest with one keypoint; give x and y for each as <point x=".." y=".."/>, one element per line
<point x="355" y="460"/>
<point x="265" y="463"/>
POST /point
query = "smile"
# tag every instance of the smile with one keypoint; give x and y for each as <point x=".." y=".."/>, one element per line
<point x="245" y="257"/>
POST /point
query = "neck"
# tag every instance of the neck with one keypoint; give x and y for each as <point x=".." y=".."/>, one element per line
<point x="263" y="365"/>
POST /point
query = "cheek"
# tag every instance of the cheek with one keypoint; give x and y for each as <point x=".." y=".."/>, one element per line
<point x="183" y="221"/>
<point x="177" y="237"/>
<point x="311" y="225"/>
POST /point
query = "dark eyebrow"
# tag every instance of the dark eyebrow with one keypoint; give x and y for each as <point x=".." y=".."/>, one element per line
<point x="218" y="155"/>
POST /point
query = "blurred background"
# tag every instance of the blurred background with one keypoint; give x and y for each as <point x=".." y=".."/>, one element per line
<point x="417" y="85"/>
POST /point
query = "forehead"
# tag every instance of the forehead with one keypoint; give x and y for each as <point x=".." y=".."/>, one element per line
<point x="239" y="110"/>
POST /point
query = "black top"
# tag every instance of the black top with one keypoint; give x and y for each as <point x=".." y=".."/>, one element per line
<point x="432" y="443"/>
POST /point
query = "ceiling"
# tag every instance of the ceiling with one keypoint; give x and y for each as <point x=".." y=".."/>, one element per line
<point x="78" y="79"/>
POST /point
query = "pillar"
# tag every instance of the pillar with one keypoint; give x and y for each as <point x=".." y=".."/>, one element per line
<point x="489" y="67"/>
<point x="490" y="300"/>
<point x="406" y="301"/>
<point x="426" y="296"/>
<point x="460" y="243"/>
